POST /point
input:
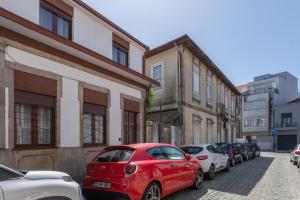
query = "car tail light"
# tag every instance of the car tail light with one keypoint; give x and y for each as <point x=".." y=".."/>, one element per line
<point x="297" y="152"/>
<point x="131" y="169"/>
<point x="202" y="157"/>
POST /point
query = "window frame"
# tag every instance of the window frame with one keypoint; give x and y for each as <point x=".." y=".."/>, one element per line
<point x="56" y="13"/>
<point x="93" y="131"/>
<point x="34" y="132"/>
<point x="158" y="88"/>
<point x="120" y="48"/>
<point x="209" y="87"/>
<point x="196" y="95"/>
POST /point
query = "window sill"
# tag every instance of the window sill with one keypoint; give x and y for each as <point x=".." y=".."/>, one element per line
<point x="93" y="145"/>
<point x="34" y="148"/>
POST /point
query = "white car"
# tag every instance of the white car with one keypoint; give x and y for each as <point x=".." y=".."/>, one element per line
<point x="211" y="157"/>
<point x="295" y="153"/>
<point x="37" y="185"/>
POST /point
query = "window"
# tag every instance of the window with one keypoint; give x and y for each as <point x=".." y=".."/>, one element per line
<point x="232" y="105"/>
<point x="115" y="155"/>
<point x="55" y="198"/>
<point x="173" y="153"/>
<point x="209" y="89"/>
<point x="94" y="121"/>
<point x="196" y="129"/>
<point x="120" y="54"/>
<point x="255" y="105"/>
<point x="213" y="149"/>
<point x="157" y="74"/>
<point x="196" y="81"/>
<point x="157" y="153"/>
<point x="209" y="127"/>
<point x="9" y="174"/>
<point x="255" y="122"/>
<point x="55" y="21"/>
<point x="192" y="150"/>
<point x="219" y="92"/>
<point x="34" y="121"/>
<point x="226" y="99"/>
<point x="286" y="119"/>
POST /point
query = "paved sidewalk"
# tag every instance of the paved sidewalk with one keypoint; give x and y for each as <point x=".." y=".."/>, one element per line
<point x="269" y="177"/>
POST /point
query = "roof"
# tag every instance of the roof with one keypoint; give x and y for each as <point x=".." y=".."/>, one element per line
<point x="140" y="145"/>
<point x="97" y="14"/>
<point x="186" y="41"/>
<point x="242" y="88"/>
<point x="297" y="100"/>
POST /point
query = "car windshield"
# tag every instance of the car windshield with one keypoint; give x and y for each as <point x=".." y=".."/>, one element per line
<point x="8" y="174"/>
<point x="192" y="150"/>
<point x="115" y="155"/>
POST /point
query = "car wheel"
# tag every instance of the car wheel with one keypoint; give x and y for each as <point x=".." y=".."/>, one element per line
<point x="247" y="157"/>
<point x="232" y="162"/>
<point x="211" y="172"/>
<point x="294" y="162"/>
<point x="198" y="180"/>
<point x="298" y="165"/>
<point x="227" y="169"/>
<point x="242" y="159"/>
<point x="152" y="192"/>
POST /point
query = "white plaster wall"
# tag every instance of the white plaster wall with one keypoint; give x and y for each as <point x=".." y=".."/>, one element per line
<point x="28" y="9"/>
<point x="69" y="73"/>
<point x="89" y="32"/>
<point x="69" y="114"/>
<point x="136" y="58"/>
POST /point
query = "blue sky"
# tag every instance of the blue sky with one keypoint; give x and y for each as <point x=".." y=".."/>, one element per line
<point x="244" y="38"/>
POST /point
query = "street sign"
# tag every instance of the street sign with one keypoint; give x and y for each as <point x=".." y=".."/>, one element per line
<point x="274" y="131"/>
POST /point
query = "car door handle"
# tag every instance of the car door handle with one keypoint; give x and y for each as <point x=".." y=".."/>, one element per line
<point x="173" y="165"/>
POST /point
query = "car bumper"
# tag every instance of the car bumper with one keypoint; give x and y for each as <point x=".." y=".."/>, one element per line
<point x="127" y="188"/>
<point x="205" y="164"/>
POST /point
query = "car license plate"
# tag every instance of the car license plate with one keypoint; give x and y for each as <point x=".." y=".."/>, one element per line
<point x="100" y="184"/>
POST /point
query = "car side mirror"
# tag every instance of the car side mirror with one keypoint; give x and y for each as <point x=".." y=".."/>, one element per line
<point x="188" y="156"/>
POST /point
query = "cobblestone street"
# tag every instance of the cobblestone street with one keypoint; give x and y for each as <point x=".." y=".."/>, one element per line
<point x="269" y="177"/>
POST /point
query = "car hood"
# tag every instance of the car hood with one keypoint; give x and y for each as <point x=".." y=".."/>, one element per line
<point x="36" y="175"/>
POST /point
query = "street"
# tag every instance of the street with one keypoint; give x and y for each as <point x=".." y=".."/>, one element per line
<point x="271" y="176"/>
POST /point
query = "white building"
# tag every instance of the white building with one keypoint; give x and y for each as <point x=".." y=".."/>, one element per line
<point x="71" y="82"/>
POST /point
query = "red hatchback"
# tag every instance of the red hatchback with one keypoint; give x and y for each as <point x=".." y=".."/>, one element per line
<point x="140" y="171"/>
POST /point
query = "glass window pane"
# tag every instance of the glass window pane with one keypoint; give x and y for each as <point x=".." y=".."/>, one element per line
<point x="87" y="128"/>
<point x="115" y="54"/>
<point x="115" y="155"/>
<point x="173" y="153"/>
<point x="46" y="19"/>
<point x="62" y="27"/>
<point x="44" y="123"/>
<point x="99" y="129"/>
<point x="23" y="123"/>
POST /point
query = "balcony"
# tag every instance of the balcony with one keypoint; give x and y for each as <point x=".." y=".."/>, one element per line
<point x="221" y="110"/>
<point x="286" y="126"/>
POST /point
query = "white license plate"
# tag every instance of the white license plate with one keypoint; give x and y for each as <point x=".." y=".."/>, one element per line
<point x="100" y="184"/>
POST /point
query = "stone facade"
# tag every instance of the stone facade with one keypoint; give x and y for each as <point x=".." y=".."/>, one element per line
<point x="175" y="104"/>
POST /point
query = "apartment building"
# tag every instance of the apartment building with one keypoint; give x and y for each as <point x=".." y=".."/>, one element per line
<point x="258" y="101"/>
<point x="195" y="102"/>
<point x="286" y="121"/>
<point x="71" y="83"/>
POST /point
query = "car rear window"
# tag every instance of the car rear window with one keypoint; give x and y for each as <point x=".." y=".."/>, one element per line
<point x="192" y="150"/>
<point x="115" y="155"/>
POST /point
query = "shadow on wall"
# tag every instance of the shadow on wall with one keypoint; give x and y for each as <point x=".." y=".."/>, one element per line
<point x="239" y="181"/>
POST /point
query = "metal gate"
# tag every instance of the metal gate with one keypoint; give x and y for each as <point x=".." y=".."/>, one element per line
<point x="286" y="142"/>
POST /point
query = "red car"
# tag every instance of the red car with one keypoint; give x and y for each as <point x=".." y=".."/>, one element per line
<point x="140" y="171"/>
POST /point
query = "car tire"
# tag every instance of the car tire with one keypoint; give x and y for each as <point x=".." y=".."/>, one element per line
<point x="298" y="165"/>
<point x="227" y="169"/>
<point x="232" y="163"/>
<point x="153" y="191"/>
<point x="198" y="180"/>
<point x="211" y="172"/>
<point x="294" y="162"/>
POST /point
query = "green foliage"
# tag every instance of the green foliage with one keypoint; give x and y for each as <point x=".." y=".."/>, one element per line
<point x="149" y="98"/>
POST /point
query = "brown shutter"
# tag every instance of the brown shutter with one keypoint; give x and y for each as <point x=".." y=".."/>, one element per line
<point x="131" y="105"/>
<point x="120" y="41"/>
<point x="94" y="109"/>
<point x="94" y="97"/>
<point x="33" y="83"/>
<point x="35" y="99"/>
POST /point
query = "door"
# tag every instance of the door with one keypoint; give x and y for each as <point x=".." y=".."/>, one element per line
<point x="130" y="127"/>
<point x="286" y="142"/>
<point x="214" y="155"/>
<point x="196" y="131"/>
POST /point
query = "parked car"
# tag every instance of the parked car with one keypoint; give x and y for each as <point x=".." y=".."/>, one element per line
<point x="140" y="171"/>
<point x="37" y="185"/>
<point x="246" y="150"/>
<point x="295" y="154"/>
<point x="233" y="153"/>
<point x="211" y="157"/>
<point x="256" y="149"/>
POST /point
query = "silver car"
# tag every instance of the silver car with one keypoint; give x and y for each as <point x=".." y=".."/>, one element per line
<point x="37" y="185"/>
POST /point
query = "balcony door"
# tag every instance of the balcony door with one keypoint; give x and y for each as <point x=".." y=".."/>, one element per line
<point x="130" y="127"/>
